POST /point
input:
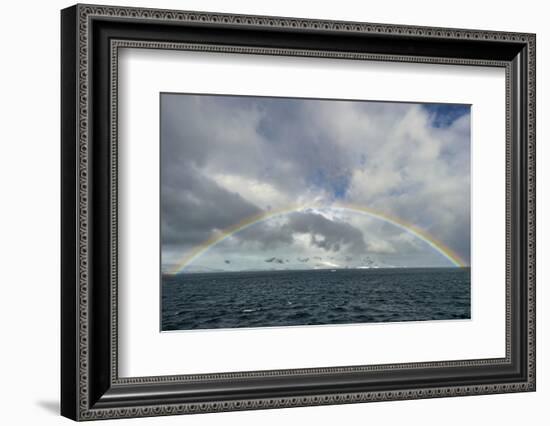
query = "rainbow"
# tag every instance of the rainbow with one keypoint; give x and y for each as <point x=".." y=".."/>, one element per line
<point x="260" y="217"/>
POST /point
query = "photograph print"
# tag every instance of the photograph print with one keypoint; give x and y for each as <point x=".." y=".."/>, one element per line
<point x="280" y="212"/>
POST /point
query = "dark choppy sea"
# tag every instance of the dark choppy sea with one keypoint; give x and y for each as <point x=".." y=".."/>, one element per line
<point x="286" y="298"/>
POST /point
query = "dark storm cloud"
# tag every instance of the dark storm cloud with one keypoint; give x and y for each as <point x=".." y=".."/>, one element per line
<point x="322" y="164"/>
<point x="329" y="235"/>
<point x="193" y="206"/>
<point x="266" y="236"/>
<point x="256" y="130"/>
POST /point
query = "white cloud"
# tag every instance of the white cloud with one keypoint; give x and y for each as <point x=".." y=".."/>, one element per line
<point x="261" y="193"/>
<point x="380" y="246"/>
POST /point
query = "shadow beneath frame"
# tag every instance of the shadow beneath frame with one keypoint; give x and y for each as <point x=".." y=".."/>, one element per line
<point x="51" y="407"/>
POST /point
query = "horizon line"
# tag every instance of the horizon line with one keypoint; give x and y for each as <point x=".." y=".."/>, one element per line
<point x="185" y="272"/>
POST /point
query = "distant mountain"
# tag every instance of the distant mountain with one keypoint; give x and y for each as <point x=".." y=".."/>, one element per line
<point x="193" y="269"/>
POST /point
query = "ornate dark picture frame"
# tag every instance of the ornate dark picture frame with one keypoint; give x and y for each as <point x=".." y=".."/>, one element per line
<point x="91" y="36"/>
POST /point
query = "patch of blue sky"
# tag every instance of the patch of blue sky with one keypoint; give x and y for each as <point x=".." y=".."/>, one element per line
<point x="336" y="185"/>
<point x="444" y="115"/>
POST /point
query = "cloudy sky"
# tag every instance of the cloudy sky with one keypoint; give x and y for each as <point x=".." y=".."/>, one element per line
<point x="282" y="173"/>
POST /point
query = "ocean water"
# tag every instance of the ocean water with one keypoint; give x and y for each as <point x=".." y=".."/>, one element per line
<point x="313" y="297"/>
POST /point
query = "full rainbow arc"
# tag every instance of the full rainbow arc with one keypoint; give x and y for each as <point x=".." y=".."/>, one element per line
<point x="435" y="244"/>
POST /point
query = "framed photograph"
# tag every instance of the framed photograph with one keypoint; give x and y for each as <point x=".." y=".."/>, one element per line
<point x="263" y="212"/>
